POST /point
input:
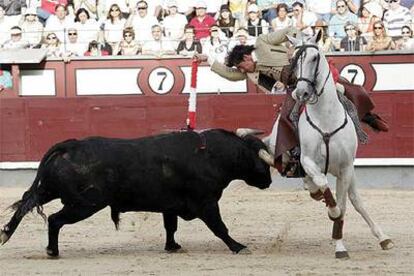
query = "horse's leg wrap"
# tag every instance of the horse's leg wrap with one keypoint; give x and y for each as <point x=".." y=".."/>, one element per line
<point x="329" y="199"/>
<point x="338" y="225"/>
<point x="318" y="195"/>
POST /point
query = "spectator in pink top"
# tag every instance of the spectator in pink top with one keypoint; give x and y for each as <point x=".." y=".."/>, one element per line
<point x="202" y="21"/>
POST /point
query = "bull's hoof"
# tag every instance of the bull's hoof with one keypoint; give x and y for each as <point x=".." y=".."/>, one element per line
<point x="52" y="254"/>
<point x="244" y="251"/>
<point x="387" y="244"/>
<point x="342" y="255"/>
<point x="3" y="237"/>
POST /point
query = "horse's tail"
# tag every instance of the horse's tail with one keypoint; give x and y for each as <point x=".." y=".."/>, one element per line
<point x="32" y="198"/>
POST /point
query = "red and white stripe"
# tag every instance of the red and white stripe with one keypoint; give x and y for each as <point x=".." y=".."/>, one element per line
<point x="192" y="101"/>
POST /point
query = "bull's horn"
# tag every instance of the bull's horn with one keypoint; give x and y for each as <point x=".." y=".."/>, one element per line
<point x="267" y="157"/>
<point x="3" y="237"/>
<point x="241" y="132"/>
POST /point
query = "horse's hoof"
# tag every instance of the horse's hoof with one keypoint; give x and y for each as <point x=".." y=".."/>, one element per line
<point x="342" y="255"/>
<point x="3" y="237"/>
<point x="387" y="244"/>
<point x="52" y="254"/>
<point x="178" y="250"/>
<point x="244" y="251"/>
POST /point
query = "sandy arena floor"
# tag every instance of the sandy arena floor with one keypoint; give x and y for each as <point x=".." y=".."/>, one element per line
<point x="287" y="232"/>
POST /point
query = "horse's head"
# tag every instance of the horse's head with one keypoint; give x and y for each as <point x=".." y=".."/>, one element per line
<point x="306" y="63"/>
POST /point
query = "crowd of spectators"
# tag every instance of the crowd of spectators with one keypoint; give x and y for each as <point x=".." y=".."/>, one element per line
<point x="68" y="28"/>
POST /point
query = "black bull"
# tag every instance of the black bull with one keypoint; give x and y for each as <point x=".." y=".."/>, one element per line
<point x="177" y="174"/>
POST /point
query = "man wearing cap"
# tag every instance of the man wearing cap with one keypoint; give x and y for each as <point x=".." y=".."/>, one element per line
<point x="174" y="23"/>
<point x="31" y="27"/>
<point x="202" y="22"/>
<point x="242" y="37"/>
<point x="256" y="25"/>
<point x="15" y="41"/>
<point x="267" y="65"/>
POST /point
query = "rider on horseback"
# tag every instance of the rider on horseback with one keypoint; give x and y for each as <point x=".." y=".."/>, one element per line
<point x="268" y="62"/>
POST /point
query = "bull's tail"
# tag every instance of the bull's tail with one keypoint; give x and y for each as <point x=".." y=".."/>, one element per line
<point x="31" y="198"/>
<point x="115" y="217"/>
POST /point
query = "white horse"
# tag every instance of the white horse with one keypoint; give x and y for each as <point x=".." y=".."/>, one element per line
<point x="328" y="140"/>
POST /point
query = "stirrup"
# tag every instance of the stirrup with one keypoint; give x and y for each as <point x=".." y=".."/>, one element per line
<point x="294" y="169"/>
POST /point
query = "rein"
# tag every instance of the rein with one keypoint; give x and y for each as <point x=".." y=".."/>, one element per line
<point x="295" y="60"/>
<point x="326" y="136"/>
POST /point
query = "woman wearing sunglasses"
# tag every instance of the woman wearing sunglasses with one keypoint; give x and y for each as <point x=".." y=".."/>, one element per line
<point x="53" y="45"/>
<point x="128" y="46"/>
<point x="406" y="42"/>
<point x="380" y="41"/>
<point x="113" y="26"/>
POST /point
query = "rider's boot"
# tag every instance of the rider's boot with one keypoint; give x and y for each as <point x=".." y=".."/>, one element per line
<point x="375" y="121"/>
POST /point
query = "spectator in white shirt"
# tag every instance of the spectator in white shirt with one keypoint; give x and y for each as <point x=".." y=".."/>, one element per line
<point x="302" y="19"/>
<point x="322" y="8"/>
<point x="87" y="27"/>
<point x="282" y="20"/>
<point x="32" y="28"/>
<point x="215" y="44"/>
<point x="5" y="25"/>
<point x="158" y="46"/>
<point x="89" y="5"/>
<point x="396" y="17"/>
<point x="58" y="22"/>
<point x="154" y="7"/>
<point x="114" y="26"/>
<point x="174" y="23"/>
<point x="16" y="41"/>
<point x="142" y="22"/>
<point x="72" y="46"/>
<point x="407" y="41"/>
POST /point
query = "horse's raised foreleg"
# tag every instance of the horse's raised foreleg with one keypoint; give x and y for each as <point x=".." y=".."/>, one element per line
<point x="385" y="242"/>
<point x="319" y="186"/>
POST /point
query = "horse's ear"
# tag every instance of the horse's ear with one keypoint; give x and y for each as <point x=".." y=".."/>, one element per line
<point x="316" y="37"/>
<point x="295" y="41"/>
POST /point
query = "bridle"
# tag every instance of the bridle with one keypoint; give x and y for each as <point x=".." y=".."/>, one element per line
<point x="299" y="54"/>
<point x="326" y="136"/>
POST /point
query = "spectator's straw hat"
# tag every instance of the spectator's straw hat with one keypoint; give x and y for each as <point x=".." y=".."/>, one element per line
<point x="172" y="3"/>
<point x="374" y="9"/>
<point x="252" y="8"/>
<point x="201" y="4"/>
<point x="30" y="11"/>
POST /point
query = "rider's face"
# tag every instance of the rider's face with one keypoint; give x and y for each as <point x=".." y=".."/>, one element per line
<point x="247" y="65"/>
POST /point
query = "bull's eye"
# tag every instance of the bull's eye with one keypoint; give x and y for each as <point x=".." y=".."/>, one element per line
<point x="314" y="59"/>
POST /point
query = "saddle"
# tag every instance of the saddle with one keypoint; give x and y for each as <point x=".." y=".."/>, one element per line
<point x="287" y="140"/>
